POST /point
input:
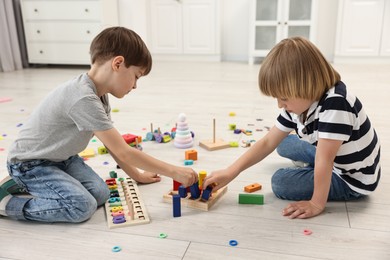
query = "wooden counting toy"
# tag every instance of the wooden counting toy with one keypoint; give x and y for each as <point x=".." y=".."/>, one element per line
<point x="125" y="206"/>
<point x="214" y="144"/>
<point x="201" y="202"/>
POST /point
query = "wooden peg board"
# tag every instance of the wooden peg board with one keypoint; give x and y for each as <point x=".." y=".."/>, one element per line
<point x="197" y="203"/>
<point x="131" y="201"/>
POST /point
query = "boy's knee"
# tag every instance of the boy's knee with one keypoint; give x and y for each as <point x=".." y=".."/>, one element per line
<point x="277" y="184"/>
<point x="82" y="210"/>
<point x="101" y="194"/>
<point x="104" y="196"/>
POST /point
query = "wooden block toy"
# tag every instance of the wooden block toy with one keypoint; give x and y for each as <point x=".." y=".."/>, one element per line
<point x="252" y="187"/>
<point x="214" y="144"/>
<point x="195" y="191"/>
<point x="206" y="193"/>
<point x="176" y="185"/>
<point x="202" y="175"/>
<point x="113" y="174"/>
<point x="197" y="204"/>
<point x="233" y="144"/>
<point x="87" y="153"/>
<point x="176" y="201"/>
<point x="191" y="155"/>
<point x="182" y="191"/>
<point x="244" y="198"/>
<point x="102" y="150"/>
<point x="232" y="126"/>
<point x="129" y="138"/>
<point x="125" y="206"/>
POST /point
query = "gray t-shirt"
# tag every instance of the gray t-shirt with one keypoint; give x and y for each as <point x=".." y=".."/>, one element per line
<point x="63" y="124"/>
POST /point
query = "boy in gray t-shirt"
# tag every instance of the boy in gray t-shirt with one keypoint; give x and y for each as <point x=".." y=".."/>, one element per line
<point x="44" y="159"/>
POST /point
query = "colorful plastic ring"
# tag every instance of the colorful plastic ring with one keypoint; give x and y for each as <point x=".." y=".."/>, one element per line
<point x="116" y="249"/>
<point x="233" y="242"/>
<point x="162" y="235"/>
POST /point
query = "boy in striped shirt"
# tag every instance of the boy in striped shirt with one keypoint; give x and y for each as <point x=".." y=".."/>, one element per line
<point x="335" y="141"/>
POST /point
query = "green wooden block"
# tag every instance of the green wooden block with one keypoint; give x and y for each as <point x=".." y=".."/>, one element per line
<point x="251" y="199"/>
<point x="113" y="174"/>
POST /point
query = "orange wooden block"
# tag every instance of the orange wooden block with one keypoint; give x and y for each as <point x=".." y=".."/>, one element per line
<point x="191" y="155"/>
<point x="252" y="188"/>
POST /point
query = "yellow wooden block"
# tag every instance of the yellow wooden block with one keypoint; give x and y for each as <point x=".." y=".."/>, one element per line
<point x="202" y="175"/>
<point x="89" y="152"/>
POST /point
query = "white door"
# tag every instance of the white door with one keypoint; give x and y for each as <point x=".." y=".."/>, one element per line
<point x="166" y="26"/>
<point x="385" y="47"/>
<point x="360" y="28"/>
<point x="199" y="26"/>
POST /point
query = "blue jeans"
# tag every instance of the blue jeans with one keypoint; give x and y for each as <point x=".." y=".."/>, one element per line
<point x="67" y="191"/>
<point x="297" y="183"/>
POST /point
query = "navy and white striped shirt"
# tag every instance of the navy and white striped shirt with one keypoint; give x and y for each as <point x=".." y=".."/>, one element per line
<point x="340" y="116"/>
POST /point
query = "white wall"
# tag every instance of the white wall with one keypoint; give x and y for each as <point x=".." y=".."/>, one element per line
<point x="235" y="25"/>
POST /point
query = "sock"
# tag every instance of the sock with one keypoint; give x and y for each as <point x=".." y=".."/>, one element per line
<point x="4" y="198"/>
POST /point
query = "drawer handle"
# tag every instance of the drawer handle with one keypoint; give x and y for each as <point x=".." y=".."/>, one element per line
<point x="41" y="51"/>
<point x="86" y="10"/>
<point x="38" y="31"/>
<point x="88" y="32"/>
<point x="35" y="10"/>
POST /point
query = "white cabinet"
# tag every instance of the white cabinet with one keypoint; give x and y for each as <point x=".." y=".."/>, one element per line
<point x="363" y="29"/>
<point x="60" y="32"/>
<point x="185" y="28"/>
<point x="274" y="20"/>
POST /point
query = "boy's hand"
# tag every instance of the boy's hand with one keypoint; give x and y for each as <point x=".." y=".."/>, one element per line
<point x="186" y="176"/>
<point x="148" y="177"/>
<point x="220" y="178"/>
<point x="302" y="209"/>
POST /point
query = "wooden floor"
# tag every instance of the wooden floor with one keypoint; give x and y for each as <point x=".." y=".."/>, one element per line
<point x="352" y="230"/>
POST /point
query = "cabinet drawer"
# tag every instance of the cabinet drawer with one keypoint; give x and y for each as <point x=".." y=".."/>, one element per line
<point x="59" y="53"/>
<point x="61" y="10"/>
<point x="61" y="31"/>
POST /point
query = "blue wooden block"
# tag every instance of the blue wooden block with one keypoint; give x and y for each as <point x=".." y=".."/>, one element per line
<point x="182" y="191"/>
<point x="176" y="200"/>
<point x="206" y="193"/>
<point x="195" y="192"/>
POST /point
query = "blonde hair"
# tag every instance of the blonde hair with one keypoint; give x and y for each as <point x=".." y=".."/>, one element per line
<point x="295" y="68"/>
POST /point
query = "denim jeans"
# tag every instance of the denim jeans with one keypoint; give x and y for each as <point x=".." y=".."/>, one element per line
<point x="297" y="183"/>
<point x="67" y="191"/>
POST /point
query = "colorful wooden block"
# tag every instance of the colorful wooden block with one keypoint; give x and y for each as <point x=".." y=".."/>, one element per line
<point x="176" y="185"/>
<point x="102" y="150"/>
<point x="195" y="192"/>
<point x="182" y="191"/>
<point x="244" y="198"/>
<point x="202" y="175"/>
<point x="113" y="174"/>
<point x="191" y="155"/>
<point x="176" y="202"/>
<point x="252" y="187"/>
<point x="87" y="153"/>
<point x="129" y="138"/>
<point x="206" y="193"/>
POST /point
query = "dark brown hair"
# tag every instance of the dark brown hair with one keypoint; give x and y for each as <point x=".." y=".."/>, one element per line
<point x="295" y="68"/>
<point x="120" y="41"/>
